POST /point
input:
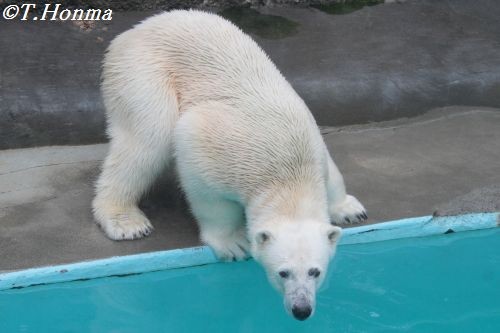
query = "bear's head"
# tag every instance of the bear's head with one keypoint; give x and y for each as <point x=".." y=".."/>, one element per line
<point x="295" y="256"/>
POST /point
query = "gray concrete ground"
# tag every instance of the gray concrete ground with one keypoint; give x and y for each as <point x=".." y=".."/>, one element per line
<point x="378" y="63"/>
<point x="446" y="160"/>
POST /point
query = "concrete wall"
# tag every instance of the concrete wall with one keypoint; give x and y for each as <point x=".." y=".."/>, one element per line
<point x="378" y="63"/>
<point x="134" y="5"/>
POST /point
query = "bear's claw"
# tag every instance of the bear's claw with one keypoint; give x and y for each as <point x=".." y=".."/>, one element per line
<point x="234" y="247"/>
<point x="128" y="224"/>
<point x="348" y="211"/>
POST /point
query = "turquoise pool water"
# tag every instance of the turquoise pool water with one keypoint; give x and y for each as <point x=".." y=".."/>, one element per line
<point x="447" y="283"/>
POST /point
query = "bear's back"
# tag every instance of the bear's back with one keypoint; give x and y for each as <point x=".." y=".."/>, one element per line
<point x="247" y="126"/>
<point x="207" y="57"/>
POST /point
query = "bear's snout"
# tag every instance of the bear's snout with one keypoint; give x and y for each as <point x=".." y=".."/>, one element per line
<point x="301" y="312"/>
<point x="300" y="303"/>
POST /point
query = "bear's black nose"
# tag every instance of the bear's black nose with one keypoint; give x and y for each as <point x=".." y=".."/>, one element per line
<point x="301" y="312"/>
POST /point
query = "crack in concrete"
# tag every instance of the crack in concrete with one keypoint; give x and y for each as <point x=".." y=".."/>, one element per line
<point x="46" y="165"/>
<point x="381" y="127"/>
<point x="32" y="202"/>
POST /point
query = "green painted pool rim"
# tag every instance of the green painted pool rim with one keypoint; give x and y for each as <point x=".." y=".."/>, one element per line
<point x="203" y="255"/>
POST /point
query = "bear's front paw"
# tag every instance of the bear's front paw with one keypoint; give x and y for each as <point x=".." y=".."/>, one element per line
<point x="349" y="210"/>
<point x="125" y="224"/>
<point x="233" y="247"/>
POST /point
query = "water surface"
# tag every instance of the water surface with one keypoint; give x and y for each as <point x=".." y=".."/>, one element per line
<point x="448" y="283"/>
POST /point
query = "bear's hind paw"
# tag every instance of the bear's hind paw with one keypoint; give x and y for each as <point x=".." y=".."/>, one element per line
<point x="126" y="225"/>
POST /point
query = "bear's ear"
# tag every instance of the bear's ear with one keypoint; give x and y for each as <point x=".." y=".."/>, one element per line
<point x="333" y="233"/>
<point x="263" y="237"/>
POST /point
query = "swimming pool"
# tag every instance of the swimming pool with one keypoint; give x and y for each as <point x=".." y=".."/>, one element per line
<point x="441" y="283"/>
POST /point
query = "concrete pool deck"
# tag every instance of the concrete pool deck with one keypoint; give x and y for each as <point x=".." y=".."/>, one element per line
<point x="443" y="162"/>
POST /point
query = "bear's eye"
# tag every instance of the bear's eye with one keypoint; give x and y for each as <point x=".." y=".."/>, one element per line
<point x="284" y="274"/>
<point x="314" y="272"/>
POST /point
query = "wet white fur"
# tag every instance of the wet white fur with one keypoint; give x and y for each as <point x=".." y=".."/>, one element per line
<point x="191" y="85"/>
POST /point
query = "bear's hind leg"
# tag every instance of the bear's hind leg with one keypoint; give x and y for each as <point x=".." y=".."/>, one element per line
<point x="142" y="110"/>
<point x="343" y="208"/>
<point x="129" y="170"/>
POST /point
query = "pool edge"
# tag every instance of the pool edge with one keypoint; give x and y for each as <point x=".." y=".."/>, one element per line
<point x="196" y="256"/>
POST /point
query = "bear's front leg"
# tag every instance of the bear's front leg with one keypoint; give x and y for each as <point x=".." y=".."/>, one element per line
<point x="228" y="245"/>
<point x="222" y="226"/>
<point x="342" y="207"/>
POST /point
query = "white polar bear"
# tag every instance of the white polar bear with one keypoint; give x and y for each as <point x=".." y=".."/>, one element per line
<point x="250" y="157"/>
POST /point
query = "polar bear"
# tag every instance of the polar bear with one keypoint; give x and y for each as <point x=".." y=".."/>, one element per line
<point x="190" y="89"/>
